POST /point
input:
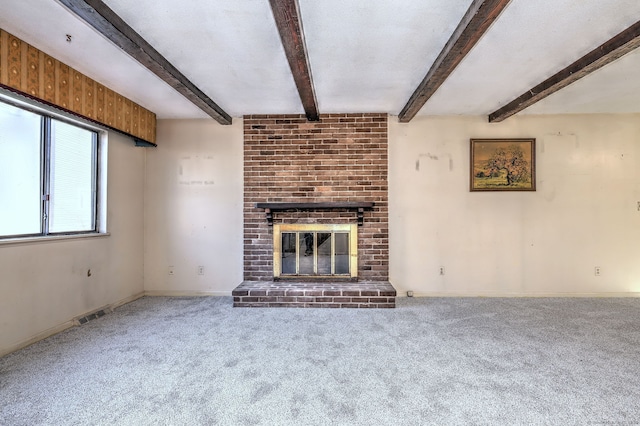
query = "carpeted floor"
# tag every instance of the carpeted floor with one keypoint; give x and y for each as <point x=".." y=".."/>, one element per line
<point x="190" y="361"/>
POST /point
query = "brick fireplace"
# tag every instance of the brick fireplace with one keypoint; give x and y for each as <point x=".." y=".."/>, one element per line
<point x="334" y="163"/>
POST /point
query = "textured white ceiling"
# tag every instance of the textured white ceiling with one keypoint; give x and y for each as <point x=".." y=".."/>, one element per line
<point x="230" y="49"/>
<point x="365" y="55"/>
<point x="614" y="89"/>
<point x="370" y="55"/>
<point x="531" y="41"/>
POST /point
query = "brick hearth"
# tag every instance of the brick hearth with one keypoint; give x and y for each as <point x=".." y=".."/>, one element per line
<point x="363" y="294"/>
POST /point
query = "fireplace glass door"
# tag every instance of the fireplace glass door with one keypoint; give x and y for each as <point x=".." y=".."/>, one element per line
<point x="315" y="250"/>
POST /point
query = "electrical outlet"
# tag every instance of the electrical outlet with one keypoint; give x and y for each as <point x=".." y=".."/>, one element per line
<point x="171" y="270"/>
<point x="200" y="270"/>
<point x="442" y="270"/>
<point x="597" y="271"/>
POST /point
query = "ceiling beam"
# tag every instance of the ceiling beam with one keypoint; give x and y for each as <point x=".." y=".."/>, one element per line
<point x="479" y="17"/>
<point x="110" y="25"/>
<point x="289" y="23"/>
<point x="602" y="55"/>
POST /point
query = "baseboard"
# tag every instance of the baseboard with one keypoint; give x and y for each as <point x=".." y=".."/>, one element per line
<point x="127" y="300"/>
<point x="403" y="293"/>
<point x="40" y="336"/>
<point x="66" y="325"/>
<point x="171" y="293"/>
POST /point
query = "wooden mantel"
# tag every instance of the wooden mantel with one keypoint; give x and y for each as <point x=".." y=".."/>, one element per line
<point x="351" y="205"/>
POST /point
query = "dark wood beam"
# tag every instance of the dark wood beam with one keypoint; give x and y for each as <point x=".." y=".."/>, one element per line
<point x="110" y="25"/>
<point x="287" y="17"/>
<point x="602" y="55"/>
<point x="479" y="17"/>
<point x="269" y="208"/>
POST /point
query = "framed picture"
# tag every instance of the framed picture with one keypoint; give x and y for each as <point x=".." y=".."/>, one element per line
<point x="503" y="164"/>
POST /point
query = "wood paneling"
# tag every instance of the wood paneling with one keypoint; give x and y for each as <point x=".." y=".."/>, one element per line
<point x="127" y="115"/>
<point x="25" y="69"/>
<point x="100" y="102"/>
<point x="63" y="80"/>
<point x="119" y="111"/>
<point x="78" y="96"/>
<point x="89" y="97"/>
<point x="3" y="54"/>
<point x="49" y="79"/>
<point x="110" y="107"/>
<point x="31" y="82"/>
<point x="135" y="118"/>
<point x="14" y="59"/>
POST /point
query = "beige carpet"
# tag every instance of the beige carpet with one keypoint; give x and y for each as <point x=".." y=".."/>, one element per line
<point x="190" y="361"/>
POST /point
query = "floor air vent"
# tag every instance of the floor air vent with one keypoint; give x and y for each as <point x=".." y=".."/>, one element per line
<point x="92" y="316"/>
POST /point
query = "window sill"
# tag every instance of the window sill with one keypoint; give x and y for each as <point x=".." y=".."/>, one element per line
<point x="51" y="238"/>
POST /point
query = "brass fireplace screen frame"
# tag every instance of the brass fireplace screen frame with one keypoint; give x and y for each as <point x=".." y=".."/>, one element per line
<point x="298" y="228"/>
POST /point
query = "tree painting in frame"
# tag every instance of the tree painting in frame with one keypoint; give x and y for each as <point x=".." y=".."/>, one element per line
<point x="503" y="164"/>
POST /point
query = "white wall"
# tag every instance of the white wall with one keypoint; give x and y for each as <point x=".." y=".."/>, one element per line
<point x="189" y="201"/>
<point x="44" y="285"/>
<point x="584" y="213"/>
<point x="193" y="205"/>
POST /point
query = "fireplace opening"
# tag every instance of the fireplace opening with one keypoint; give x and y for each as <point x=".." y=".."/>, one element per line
<point x="315" y="250"/>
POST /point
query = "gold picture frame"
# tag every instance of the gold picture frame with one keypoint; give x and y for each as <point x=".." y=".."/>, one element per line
<point x="503" y="165"/>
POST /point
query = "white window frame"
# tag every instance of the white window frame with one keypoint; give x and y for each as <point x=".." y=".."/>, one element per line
<point x="100" y="170"/>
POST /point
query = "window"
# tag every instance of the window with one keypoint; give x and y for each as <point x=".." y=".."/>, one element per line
<point x="48" y="175"/>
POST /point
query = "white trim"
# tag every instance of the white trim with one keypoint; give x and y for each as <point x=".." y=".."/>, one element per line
<point x="185" y="293"/>
<point x="51" y="238"/>
<point x="40" y="336"/>
<point x="126" y="300"/>
<point x="65" y="325"/>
